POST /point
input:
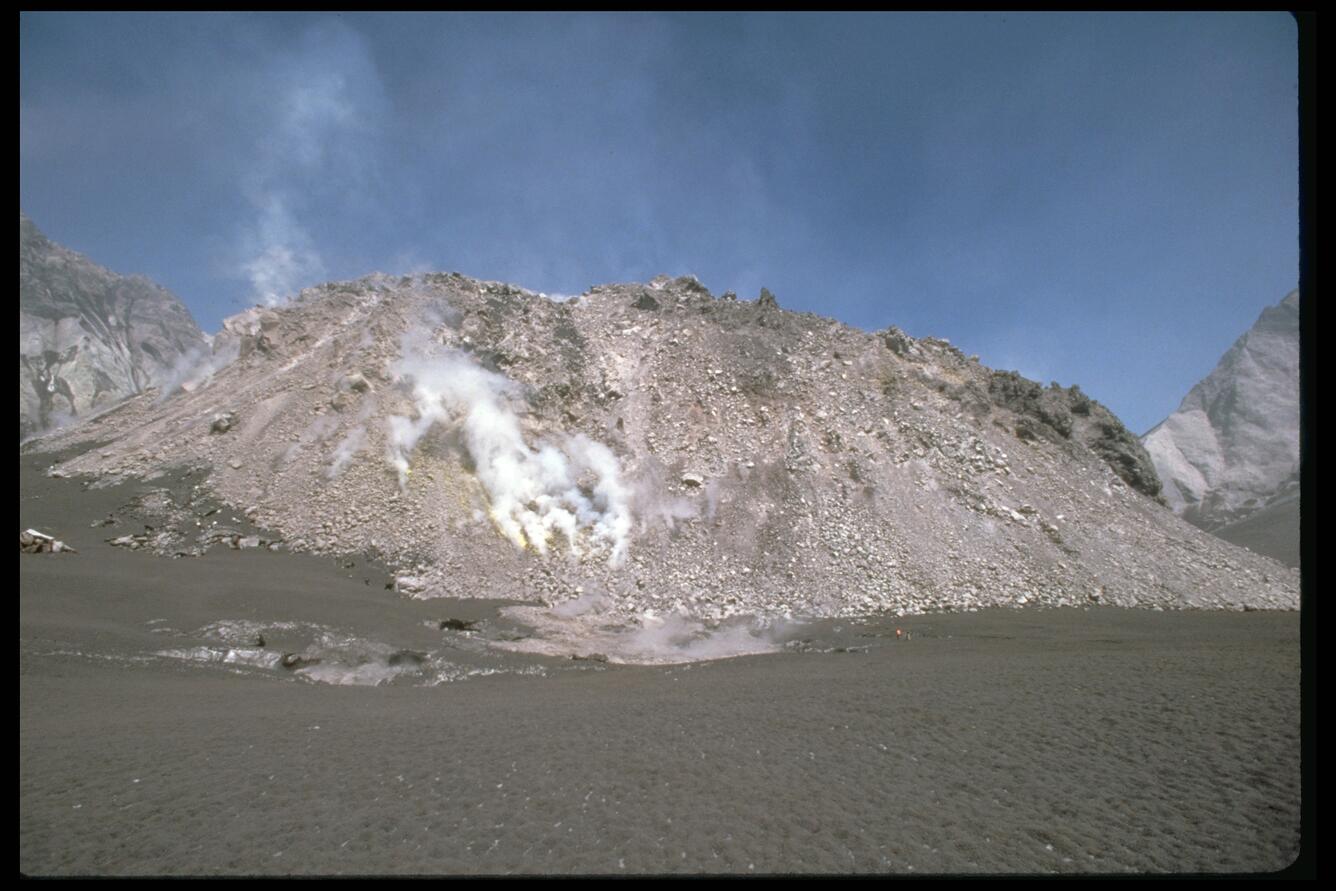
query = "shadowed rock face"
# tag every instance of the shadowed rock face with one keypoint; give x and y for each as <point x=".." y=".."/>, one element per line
<point x="1229" y="456"/>
<point x="651" y="447"/>
<point x="1070" y="414"/>
<point x="88" y="337"/>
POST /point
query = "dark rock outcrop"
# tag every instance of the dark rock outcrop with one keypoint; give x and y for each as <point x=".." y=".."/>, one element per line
<point x="1065" y="414"/>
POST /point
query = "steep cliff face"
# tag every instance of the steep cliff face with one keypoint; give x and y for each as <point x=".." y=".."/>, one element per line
<point x="88" y="337"/>
<point x="1229" y="456"/>
<point x="656" y="448"/>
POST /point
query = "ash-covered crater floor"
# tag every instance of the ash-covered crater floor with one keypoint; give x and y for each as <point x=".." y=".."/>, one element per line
<point x="158" y="737"/>
<point x="202" y="589"/>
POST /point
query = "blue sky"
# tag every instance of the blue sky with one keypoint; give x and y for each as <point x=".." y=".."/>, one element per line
<point x="1105" y="200"/>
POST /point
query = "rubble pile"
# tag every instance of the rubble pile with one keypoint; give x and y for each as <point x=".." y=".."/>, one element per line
<point x="663" y="449"/>
<point x="33" y="542"/>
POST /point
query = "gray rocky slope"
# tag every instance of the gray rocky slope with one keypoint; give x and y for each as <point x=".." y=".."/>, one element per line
<point x="654" y="447"/>
<point x="89" y="337"/>
<point x="1229" y="456"/>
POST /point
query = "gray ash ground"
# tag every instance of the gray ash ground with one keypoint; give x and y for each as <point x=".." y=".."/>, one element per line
<point x="1073" y="740"/>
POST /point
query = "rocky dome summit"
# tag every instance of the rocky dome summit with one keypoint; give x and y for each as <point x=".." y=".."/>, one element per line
<point x="650" y="447"/>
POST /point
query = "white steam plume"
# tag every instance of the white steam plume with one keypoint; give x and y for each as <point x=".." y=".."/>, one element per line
<point x="197" y="365"/>
<point x="349" y="446"/>
<point x="315" y="146"/>
<point x="316" y="432"/>
<point x="585" y="626"/>
<point x="283" y="258"/>
<point x="573" y="489"/>
<point x="653" y="506"/>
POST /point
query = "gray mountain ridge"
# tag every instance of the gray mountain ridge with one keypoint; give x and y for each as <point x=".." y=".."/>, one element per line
<point x="652" y="449"/>
<point x="1229" y="455"/>
<point x="88" y="337"/>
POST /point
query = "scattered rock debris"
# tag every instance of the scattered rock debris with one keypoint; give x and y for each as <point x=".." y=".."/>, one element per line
<point x="769" y="461"/>
<point x="33" y="542"/>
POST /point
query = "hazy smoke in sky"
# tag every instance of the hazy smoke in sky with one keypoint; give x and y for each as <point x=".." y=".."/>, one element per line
<point x="312" y="147"/>
<point x="572" y="489"/>
<point x="283" y="258"/>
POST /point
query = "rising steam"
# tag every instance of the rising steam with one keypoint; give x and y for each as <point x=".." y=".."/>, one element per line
<point x="571" y="489"/>
<point x="349" y="446"/>
<point x="314" y="149"/>
<point x="195" y="367"/>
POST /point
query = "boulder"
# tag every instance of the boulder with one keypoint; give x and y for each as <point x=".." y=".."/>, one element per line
<point x="33" y="542"/>
<point x="409" y="584"/>
<point x="355" y="382"/>
<point x="898" y="342"/>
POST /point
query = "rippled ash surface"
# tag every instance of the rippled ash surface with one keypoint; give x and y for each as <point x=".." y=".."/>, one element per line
<point x="1013" y="741"/>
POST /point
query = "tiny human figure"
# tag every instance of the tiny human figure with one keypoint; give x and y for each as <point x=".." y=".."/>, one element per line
<point x="899" y="634"/>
